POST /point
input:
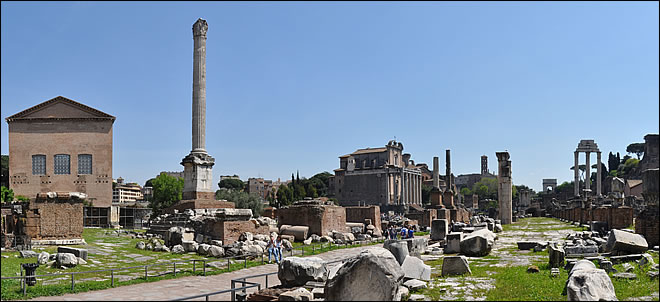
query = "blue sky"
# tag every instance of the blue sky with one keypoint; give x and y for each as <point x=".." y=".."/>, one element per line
<point x="292" y="86"/>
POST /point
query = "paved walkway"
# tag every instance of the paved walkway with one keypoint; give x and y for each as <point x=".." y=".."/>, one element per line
<point x="193" y="285"/>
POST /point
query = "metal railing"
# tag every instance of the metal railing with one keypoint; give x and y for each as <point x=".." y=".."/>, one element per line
<point x="243" y="281"/>
<point x="174" y="264"/>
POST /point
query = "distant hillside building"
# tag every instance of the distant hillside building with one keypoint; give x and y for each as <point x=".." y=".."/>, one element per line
<point x="126" y="194"/>
<point x="377" y="176"/>
<point x="468" y="180"/>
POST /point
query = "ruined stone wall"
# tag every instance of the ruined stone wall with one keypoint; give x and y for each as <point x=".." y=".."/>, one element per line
<point x="359" y="214"/>
<point x="320" y="219"/>
<point x="27" y="138"/>
<point x="54" y="220"/>
<point x="647" y="224"/>
<point x="199" y="204"/>
<point x="460" y="215"/>
<point x="231" y="230"/>
<point x="369" y="187"/>
<point x="616" y="218"/>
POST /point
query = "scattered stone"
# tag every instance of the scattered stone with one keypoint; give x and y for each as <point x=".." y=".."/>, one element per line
<point x="66" y="260"/>
<point x="28" y="254"/>
<point x="439" y="229"/>
<point x="556" y="255"/>
<point x="190" y="246"/>
<point x="581" y="250"/>
<point x="216" y="242"/>
<point x="478" y="243"/>
<point x="43" y="258"/>
<point x="569" y="264"/>
<point x="417" y="246"/>
<point x="625" y="258"/>
<point x="374" y="275"/>
<point x="453" y="243"/>
<point x="307" y="241"/>
<point x="398" y="248"/>
<point x="216" y="251"/>
<point x="296" y="271"/>
<point x="203" y="249"/>
<point x="140" y="245"/>
<point x="629" y="276"/>
<point x="300" y="294"/>
<point x="533" y="269"/>
<point x="646" y="259"/>
<point x="178" y="249"/>
<point x="414" y="268"/>
<point x="414" y="284"/>
<point x="621" y="242"/>
<point x="246" y="236"/>
<point x="607" y="266"/>
<point x="554" y="272"/>
<point x="455" y="265"/>
<point x="526" y="245"/>
<point x="498" y="228"/>
<point x="652" y="274"/>
<point x="627" y="267"/>
<point x="327" y="239"/>
<point x="417" y="297"/>
<point x="587" y="283"/>
<point x="81" y="261"/>
<point x="82" y="253"/>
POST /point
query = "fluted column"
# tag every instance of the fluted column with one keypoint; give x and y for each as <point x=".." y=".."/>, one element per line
<point x="576" y="188"/>
<point x="598" y="175"/>
<point x="436" y="173"/>
<point x="199" y="87"/>
<point x="587" y="177"/>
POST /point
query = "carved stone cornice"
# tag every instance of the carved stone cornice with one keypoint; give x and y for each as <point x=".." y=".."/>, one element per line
<point x="200" y="28"/>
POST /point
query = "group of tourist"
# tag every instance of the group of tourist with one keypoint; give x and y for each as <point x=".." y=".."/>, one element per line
<point x="275" y="248"/>
<point x="392" y="233"/>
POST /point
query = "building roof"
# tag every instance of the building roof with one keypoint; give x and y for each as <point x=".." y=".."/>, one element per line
<point x="40" y="111"/>
<point x="634" y="182"/>
<point x="369" y="150"/>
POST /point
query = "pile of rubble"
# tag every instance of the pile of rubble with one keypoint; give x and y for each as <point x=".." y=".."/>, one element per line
<point x="66" y="257"/>
<point x="475" y="239"/>
<point x="392" y="272"/>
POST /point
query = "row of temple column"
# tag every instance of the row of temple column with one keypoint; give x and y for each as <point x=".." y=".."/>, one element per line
<point x="587" y="178"/>
<point x="412" y="188"/>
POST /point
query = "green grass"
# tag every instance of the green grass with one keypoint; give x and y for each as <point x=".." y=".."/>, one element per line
<point x="513" y="283"/>
<point x="421" y="233"/>
<point x="11" y="289"/>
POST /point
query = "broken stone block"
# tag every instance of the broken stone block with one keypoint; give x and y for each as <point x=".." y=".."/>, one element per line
<point x="607" y="266"/>
<point x="581" y="250"/>
<point x="374" y="275"/>
<point x="587" y="283"/>
<point x="298" y="232"/>
<point x="417" y="297"/>
<point x="43" y="258"/>
<point x="28" y="254"/>
<point x="140" y="245"/>
<point x="526" y="245"/>
<point x="554" y="272"/>
<point x="627" y="267"/>
<point x="455" y="265"/>
<point x="246" y="236"/>
<point x="416" y="246"/>
<point x="300" y="294"/>
<point x="66" y="260"/>
<point x="625" y="258"/>
<point x="81" y="261"/>
<point x="620" y="242"/>
<point x="629" y="276"/>
<point x="439" y="229"/>
<point x="82" y="253"/>
<point x="190" y="246"/>
<point x="215" y="251"/>
<point x="498" y="228"/>
<point x="646" y="260"/>
<point x="652" y="274"/>
<point x="178" y="249"/>
<point x="478" y="243"/>
<point x="414" y="284"/>
<point x="453" y="243"/>
<point x="398" y="248"/>
<point x="296" y="271"/>
<point x="414" y="268"/>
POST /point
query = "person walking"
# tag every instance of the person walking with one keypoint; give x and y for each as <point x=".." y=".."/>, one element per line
<point x="271" y="248"/>
<point x="278" y="249"/>
<point x="411" y="233"/>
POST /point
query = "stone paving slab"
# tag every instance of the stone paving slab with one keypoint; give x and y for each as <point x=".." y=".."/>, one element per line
<point x="193" y="285"/>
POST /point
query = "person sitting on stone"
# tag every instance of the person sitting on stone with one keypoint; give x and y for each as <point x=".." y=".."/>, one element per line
<point x="278" y="249"/>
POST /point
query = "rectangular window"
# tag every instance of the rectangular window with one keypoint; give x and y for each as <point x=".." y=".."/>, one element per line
<point x="62" y="164"/>
<point x="39" y="164"/>
<point x="84" y="164"/>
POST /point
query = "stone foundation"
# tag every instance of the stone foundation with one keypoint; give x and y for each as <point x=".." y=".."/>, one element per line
<point x="359" y="214"/>
<point x="199" y="204"/>
<point x="319" y="217"/>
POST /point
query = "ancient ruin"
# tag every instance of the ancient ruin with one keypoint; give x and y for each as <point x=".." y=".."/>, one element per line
<point x="504" y="187"/>
<point x="587" y="146"/>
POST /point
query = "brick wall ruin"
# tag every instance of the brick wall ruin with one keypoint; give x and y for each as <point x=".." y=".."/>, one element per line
<point x="359" y="214"/>
<point x="320" y="218"/>
<point x="616" y="218"/>
<point x="199" y="204"/>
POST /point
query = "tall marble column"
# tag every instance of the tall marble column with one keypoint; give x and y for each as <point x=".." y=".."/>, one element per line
<point x="504" y="189"/>
<point x="587" y="176"/>
<point x="197" y="166"/>
<point x="598" y="175"/>
<point x="436" y="173"/>
<point x="576" y="187"/>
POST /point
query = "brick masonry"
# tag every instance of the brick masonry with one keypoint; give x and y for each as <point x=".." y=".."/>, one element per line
<point x="54" y="220"/>
<point x="359" y="214"/>
<point x="320" y="219"/>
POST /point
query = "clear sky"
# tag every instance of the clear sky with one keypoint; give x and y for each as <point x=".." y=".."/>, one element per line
<point x="294" y="85"/>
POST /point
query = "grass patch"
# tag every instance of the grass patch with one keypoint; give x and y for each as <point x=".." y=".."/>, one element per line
<point x="421" y="233"/>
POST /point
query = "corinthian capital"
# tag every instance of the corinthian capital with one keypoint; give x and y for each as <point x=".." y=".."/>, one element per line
<point x="200" y="28"/>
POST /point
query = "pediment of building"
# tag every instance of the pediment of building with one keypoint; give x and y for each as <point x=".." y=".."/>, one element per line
<point x="60" y="108"/>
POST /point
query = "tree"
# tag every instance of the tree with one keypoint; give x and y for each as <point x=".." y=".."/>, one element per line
<point x="612" y="162"/>
<point x="284" y="195"/>
<point x="466" y="191"/>
<point x="320" y="182"/>
<point x="232" y="184"/>
<point x="637" y="148"/>
<point x="7" y="194"/>
<point x="167" y="190"/>
<point x="242" y="200"/>
<point x="149" y="183"/>
<point x="4" y="171"/>
<point x="486" y="188"/>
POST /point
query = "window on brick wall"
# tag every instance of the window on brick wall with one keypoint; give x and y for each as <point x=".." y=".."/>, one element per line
<point x="62" y="164"/>
<point x="39" y="164"/>
<point x="84" y="164"/>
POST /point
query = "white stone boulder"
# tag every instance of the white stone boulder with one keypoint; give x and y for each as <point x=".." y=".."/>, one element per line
<point x="478" y="243"/>
<point x="178" y="249"/>
<point x="398" y="248"/>
<point x="140" y="245"/>
<point x="296" y="271"/>
<point x="414" y="284"/>
<point x="588" y="283"/>
<point x="439" y="229"/>
<point x="203" y="249"/>
<point x="43" y="258"/>
<point x="556" y="255"/>
<point x="374" y="275"/>
<point x="246" y="236"/>
<point x="216" y="251"/>
<point x="300" y="294"/>
<point x="620" y="242"/>
<point x="414" y="268"/>
<point x="66" y="260"/>
<point x="455" y="265"/>
<point x="190" y="246"/>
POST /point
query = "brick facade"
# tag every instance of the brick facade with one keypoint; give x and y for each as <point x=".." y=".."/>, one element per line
<point x="359" y="214"/>
<point x="616" y="218"/>
<point x="54" y="220"/>
<point x="320" y="218"/>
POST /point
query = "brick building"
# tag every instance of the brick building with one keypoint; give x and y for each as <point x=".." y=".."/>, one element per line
<point x="64" y="146"/>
